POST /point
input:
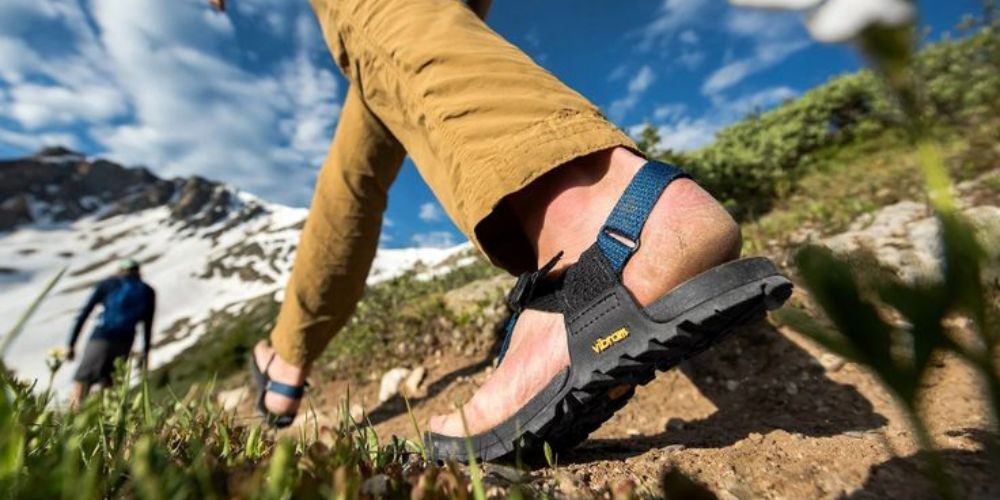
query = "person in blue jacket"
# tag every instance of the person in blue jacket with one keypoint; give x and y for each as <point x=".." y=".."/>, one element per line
<point x="126" y="301"/>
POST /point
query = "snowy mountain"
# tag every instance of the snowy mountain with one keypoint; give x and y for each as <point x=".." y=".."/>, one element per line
<point x="204" y="246"/>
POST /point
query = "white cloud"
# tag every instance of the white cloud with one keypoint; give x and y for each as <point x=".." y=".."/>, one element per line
<point x="33" y="141"/>
<point x="759" y="100"/>
<point x="776" y="4"/>
<point x="671" y="16"/>
<point x="683" y="133"/>
<point x="36" y="106"/>
<point x="668" y="111"/>
<point x="773" y="36"/>
<point x="687" y="134"/>
<point x="637" y="86"/>
<point x="430" y="212"/>
<point x="766" y="55"/>
<point x="434" y="239"/>
<point x="767" y="25"/>
<point x="162" y="84"/>
<point x="689" y="37"/>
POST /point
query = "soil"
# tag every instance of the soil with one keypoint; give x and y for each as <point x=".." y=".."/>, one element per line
<point x="766" y="414"/>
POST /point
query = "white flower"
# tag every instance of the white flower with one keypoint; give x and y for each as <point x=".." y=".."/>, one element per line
<point x="841" y="20"/>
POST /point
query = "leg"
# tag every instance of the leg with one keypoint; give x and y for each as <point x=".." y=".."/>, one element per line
<point x="336" y="248"/>
<point x="77" y="394"/>
<point x="523" y="165"/>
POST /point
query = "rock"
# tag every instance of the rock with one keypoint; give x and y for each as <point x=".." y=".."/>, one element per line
<point x="831" y="362"/>
<point x="391" y="380"/>
<point x="732" y="385"/>
<point x="791" y="388"/>
<point x="403" y="348"/>
<point x="231" y="399"/>
<point x="673" y="448"/>
<point x="675" y="424"/>
<point x="411" y="386"/>
<point x="376" y="486"/>
<point x="474" y="296"/>
<point x="505" y="473"/>
<point x="904" y="238"/>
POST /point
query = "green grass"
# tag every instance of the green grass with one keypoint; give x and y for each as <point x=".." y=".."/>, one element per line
<point x="411" y="313"/>
<point x="128" y="444"/>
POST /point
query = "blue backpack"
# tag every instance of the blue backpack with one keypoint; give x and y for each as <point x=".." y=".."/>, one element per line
<point x="124" y="306"/>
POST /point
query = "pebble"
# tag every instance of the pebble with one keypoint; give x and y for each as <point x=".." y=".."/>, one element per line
<point x="675" y="424"/>
<point x="732" y="385"/>
<point x="412" y="383"/>
<point x="791" y="388"/>
<point x="376" y="486"/>
<point x="673" y="447"/>
<point x="231" y="399"/>
<point x="391" y="380"/>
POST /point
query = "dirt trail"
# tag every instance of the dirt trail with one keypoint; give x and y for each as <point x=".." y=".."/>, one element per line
<point x="765" y="414"/>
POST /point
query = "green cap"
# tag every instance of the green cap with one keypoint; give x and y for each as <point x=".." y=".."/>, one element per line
<point x="127" y="264"/>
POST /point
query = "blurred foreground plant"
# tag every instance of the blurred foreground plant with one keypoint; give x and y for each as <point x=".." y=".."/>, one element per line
<point x="857" y="303"/>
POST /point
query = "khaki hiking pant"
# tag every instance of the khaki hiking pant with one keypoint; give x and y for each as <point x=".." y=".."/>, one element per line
<point x="479" y="118"/>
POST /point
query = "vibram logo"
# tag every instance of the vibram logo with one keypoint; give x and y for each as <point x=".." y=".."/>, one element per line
<point x="604" y="343"/>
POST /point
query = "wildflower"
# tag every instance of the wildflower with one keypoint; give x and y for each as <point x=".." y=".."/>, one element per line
<point x="55" y="358"/>
<point x="842" y="20"/>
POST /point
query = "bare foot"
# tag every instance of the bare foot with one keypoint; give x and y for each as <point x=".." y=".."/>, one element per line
<point x="279" y="371"/>
<point x="687" y="233"/>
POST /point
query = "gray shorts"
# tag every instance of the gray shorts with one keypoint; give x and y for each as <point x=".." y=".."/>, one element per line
<point x="98" y="362"/>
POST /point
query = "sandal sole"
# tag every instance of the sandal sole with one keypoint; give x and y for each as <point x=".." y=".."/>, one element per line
<point x="684" y="323"/>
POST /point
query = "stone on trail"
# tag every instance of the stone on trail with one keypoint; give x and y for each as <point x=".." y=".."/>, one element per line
<point x="376" y="486"/>
<point x="905" y="238"/>
<point x="411" y="387"/>
<point x="391" y="380"/>
<point x="231" y="399"/>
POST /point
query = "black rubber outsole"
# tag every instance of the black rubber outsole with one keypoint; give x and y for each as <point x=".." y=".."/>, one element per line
<point x="577" y="401"/>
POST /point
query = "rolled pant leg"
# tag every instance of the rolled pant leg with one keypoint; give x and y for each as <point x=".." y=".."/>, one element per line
<point x="480" y="119"/>
<point x="340" y="235"/>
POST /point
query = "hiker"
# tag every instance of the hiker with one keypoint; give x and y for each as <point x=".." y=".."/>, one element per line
<point x="127" y="300"/>
<point x="627" y="266"/>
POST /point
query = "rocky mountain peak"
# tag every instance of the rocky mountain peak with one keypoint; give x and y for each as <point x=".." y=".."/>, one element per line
<point x="57" y="184"/>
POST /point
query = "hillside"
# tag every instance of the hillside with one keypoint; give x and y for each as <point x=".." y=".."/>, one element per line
<point x="207" y="248"/>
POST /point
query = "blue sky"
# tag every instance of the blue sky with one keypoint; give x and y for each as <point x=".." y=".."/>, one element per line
<point x="252" y="97"/>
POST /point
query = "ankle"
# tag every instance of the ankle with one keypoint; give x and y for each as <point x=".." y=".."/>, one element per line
<point x="280" y="369"/>
<point x="565" y="209"/>
<point x="688" y="231"/>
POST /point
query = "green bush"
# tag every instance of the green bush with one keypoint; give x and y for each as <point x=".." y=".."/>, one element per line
<point x="760" y="158"/>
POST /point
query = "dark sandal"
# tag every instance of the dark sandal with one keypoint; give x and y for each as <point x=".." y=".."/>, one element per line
<point x="615" y="343"/>
<point x="265" y="385"/>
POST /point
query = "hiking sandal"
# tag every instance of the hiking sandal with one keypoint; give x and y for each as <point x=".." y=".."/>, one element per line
<point x="265" y="385"/>
<point x="614" y="343"/>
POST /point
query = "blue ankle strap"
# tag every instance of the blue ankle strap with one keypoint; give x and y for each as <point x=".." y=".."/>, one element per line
<point x="289" y="391"/>
<point x="632" y="210"/>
